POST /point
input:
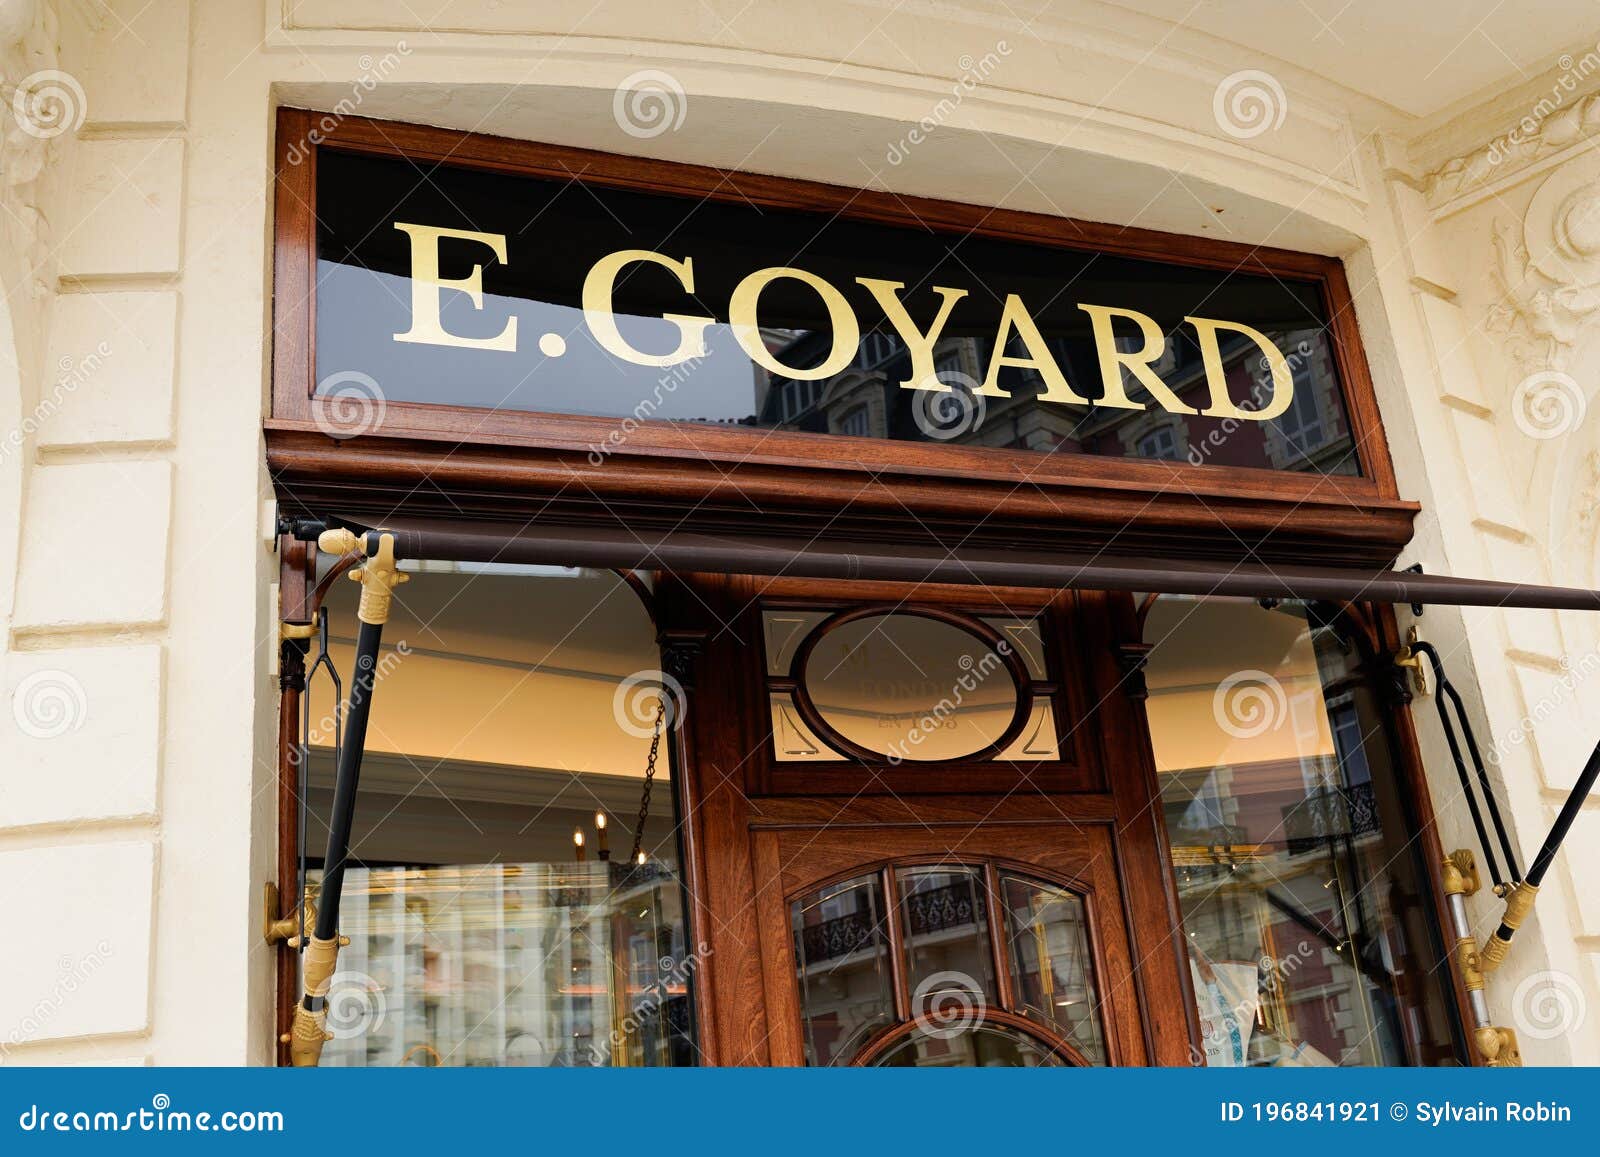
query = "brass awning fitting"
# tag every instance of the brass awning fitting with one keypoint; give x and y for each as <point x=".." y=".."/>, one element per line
<point x="378" y="575"/>
<point x="1496" y="1046"/>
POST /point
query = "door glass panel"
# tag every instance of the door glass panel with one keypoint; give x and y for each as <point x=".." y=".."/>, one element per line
<point x="911" y="687"/>
<point x="944" y="923"/>
<point x="841" y="951"/>
<point x="1303" y="895"/>
<point x="983" y="1045"/>
<point x="1025" y="635"/>
<point x="1038" y="737"/>
<point x="785" y="631"/>
<point x="1052" y="969"/>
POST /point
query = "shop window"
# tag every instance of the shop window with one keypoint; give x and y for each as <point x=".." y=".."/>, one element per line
<point x="513" y="714"/>
<point x="857" y="423"/>
<point x="1304" y="903"/>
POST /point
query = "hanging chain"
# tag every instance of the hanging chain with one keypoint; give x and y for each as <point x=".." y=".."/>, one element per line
<point x="649" y="782"/>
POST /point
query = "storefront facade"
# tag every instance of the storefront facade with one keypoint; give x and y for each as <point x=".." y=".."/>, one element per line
<point x="264" y="289"/>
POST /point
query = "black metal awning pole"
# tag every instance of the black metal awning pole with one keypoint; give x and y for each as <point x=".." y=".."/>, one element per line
<point x="378" y="577"/>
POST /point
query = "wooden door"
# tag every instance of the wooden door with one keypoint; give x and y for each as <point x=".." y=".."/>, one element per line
<point x="1040" y="880"/>
<point x="945" y="944"/>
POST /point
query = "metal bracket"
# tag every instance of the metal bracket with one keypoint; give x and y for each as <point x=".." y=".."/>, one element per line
<point x="1407" y="658"/>
<point x="277" y="929"/>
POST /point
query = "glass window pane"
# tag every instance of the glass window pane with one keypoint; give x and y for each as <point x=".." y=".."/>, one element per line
<point x="841" y="951"/>
<point x="792" y="740"/>
<point x="1304" y="902"/>
<point x="784" y="632"/>
<point x="1052" y="967"/>
<point x="501" y="725"/>
<point x="911" y="687"/>
<point x="949" y="964"/>
<point x="530" y="340"/>
<point x="1027" y="637"/>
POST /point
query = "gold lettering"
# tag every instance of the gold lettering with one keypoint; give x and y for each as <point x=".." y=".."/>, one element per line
<point x="918" y="342"/>
<point x="426" y="284"/>
<point x="1014" y="316"/>
<point x="1113" y="361"/>
<point x="600" y="284"/>
<point x="742" y="317"/>
<point x="1222" y="405"/>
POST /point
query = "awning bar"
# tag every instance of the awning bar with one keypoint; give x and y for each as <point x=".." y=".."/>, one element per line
<point x="649" y="549"/>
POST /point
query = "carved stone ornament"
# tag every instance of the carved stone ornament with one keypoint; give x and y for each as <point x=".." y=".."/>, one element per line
<point x="1549" y="270"/>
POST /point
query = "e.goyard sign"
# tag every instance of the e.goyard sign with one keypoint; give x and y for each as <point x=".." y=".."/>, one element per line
<point x="452" y="285"/>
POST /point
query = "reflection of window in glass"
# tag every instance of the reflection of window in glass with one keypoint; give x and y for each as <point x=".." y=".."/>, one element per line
<point x="1301" y="424"/>
<point x="949" y="368"/>
<point x="1304" y="904"/>
<point x="857" y="423"/>
<point x="477" y="936"/>
<point x="1160" y="444"/>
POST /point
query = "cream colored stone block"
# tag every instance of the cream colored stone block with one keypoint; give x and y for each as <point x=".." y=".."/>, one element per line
<point x="94" y="545"/>
<point x="123" y="208"/>
<point x="1425" y="243"/>
<point x="1494" y="500"/>
<point x="1581" y="853"/>
<point x="1554" y="719"/>
<point x="83" y="968"/>
<point x="1452" y="353"/>
<point x="80" y="734"/>
<point x="112" y="358"/>
<point x="135" y="57"/>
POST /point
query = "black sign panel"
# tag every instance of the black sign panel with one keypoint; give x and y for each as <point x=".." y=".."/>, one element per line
<point x="450" y="285"/>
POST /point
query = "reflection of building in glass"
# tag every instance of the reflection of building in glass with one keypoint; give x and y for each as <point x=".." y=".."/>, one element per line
<point x="866" y="400"/>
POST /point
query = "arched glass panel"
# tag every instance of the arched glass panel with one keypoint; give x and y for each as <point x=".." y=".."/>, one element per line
<point x="1052" y="965"/>
<point x="841" y="952"/>
<point x="978" y="1046"/>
